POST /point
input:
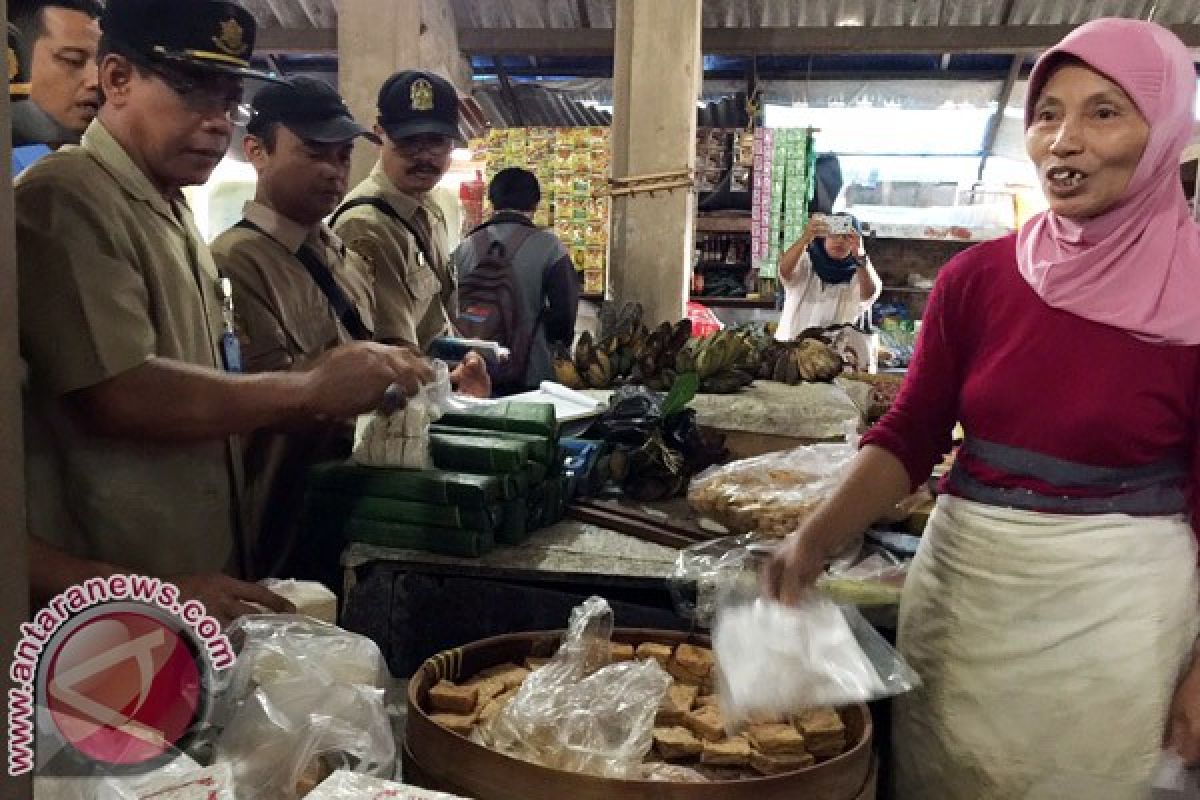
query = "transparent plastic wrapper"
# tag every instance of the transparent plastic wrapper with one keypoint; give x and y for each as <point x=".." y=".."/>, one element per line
<point x="175" y="781"/>
<point x="281" y="647"/>
<point x="672" y="773"/>
<point x="577" y="714"/>
<point x="777" y="659"/>
<point x="290" y="735"/>
<point x="400" y="437"/>
<point x="877" y="580"/>
<point x="705" y="573"/>
<point x="343" y="785"/>
<point x="770" y="494"/>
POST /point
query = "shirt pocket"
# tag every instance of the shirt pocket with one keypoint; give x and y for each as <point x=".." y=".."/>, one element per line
<point x="312" y="331"/>
<point x="420" y="280"/>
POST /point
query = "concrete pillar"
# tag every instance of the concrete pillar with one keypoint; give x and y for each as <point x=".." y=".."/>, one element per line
<point x="379" y="37"/>
<point x="656" y="83"/>
<point x="14" y="588"/>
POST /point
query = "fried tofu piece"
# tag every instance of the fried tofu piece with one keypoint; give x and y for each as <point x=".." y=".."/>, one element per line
<point x="676" y="743"/>
<point x="510" y="675"/>
<point x="621" y="652"/>
<point x="776" y="739"/>
<point x="823" y="730"/>
<point x="774" y="765"/>
<point x="708" y="723"/>
<point x="451" y="699"/>
<point x="488" y="688"/>
<point x="691" y="664"/>
<point x="458" y="723"/>
<point x="534" y="663"/>
<point x="678" y="700"/>
<point x="659" y="652"/>
<point x="732" y="752"/>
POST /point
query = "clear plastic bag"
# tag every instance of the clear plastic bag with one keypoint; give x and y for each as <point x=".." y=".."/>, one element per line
<point x="289" y="735"/>
<point x="877" y="580"/>
<point x="777" y="659"/>
<point x="578" y="715"/>
<point x="343" y="785"/>
<point x="274" y="647"/>
<point x="770" y="494"/>
<point x="179" y="780"/>
<point x="705" y="573"/>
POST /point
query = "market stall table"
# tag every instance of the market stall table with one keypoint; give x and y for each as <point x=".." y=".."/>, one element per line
<point x="414" y="604"/>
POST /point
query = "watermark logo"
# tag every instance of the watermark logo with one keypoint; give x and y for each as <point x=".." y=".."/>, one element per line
<point x="116" y="672"/>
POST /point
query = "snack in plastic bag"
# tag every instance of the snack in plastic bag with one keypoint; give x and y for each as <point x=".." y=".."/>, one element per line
<point x="577" y="714"/>
<point x="777" y="659"/>
<point x="288" y="736"/>
<point x="770" y="494"/>
<point x="277" y="647"/>
<point x="311" y="599"/>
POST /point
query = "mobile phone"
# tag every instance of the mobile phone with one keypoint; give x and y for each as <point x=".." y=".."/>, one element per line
<point x="839" y="224"/>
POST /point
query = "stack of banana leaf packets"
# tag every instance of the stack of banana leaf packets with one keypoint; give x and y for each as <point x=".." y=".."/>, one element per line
<point x="497" y="477"/>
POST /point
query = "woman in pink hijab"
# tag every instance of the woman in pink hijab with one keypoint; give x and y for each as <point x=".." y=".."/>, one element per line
<point x="1051" y="610"/>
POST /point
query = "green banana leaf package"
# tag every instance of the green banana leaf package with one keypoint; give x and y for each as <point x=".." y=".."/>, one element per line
<point x="514" y="417"/>
<point x="427" y="486"/>
<point x="541" y="449"/>
<point x="477" y="453"/>
<point x="384" y="509"/>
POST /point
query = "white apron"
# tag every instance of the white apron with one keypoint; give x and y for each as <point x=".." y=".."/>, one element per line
<point x="1049" y="646"/>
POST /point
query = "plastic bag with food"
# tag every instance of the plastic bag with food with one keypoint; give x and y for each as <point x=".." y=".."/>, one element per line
<point x="290" y="735"/>
<point x="770" y="494"/>
<point x="777" y="659"/>
<point x="280" y="647"/>
<point x="579" y="713"/>
<point x="343" y="785"/>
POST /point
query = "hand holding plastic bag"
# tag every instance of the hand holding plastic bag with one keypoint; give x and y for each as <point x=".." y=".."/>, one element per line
<point x="777" y="659"/>
<point x="577" y="715"/>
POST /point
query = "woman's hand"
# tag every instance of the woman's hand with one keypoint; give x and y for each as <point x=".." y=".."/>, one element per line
<point x="817" y="228"/>
<point x="1183" y="724"/>
<point x="793" y="568"/>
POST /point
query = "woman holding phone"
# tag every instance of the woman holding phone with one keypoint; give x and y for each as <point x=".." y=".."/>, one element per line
<point x="827" y="277"/>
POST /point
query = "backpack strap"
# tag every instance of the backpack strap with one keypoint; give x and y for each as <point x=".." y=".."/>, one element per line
<point x="343" y="307"/>
<point x="384" y="207"/>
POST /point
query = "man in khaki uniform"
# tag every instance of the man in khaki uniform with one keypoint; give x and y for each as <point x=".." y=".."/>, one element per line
<point x="298" y="292"/>
<point x="133" y="465"/>
<point x="392" y="222"/>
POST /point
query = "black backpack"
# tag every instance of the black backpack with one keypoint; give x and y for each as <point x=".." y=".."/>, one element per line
<point x="490" y="305"/>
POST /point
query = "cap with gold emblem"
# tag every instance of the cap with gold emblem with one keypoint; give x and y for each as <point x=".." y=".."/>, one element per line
<point x="206" y="35"/>
<point x="412" y="103"/>
<point x="18" y="65"/>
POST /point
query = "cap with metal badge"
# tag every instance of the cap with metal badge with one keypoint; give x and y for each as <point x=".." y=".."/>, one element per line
<point x="309" y="108"/>
<point x="412" y="103"/>
<point x="204" y="35"/>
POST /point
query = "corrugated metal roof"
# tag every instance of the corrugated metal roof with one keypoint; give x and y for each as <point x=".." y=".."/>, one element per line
<point x="299" y="14"/>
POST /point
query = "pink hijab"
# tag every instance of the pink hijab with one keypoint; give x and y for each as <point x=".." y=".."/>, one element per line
<point x="1136" y="266"/>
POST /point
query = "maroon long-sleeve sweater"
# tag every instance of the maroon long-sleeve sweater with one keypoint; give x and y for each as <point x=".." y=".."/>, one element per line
<point x="1020" y="374"/>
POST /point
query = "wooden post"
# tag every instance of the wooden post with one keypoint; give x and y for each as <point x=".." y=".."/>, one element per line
<point x="379" y="37"/>
<point x="14" y="588"/>
<point x="657" y="77"/>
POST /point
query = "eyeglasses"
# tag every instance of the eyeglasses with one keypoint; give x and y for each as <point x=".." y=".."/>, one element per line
<point x="205" y="96"/>
<point x="434" y="144"/>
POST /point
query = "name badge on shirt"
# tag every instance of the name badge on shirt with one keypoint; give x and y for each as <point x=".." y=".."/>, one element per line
<point x="231" y="348"/>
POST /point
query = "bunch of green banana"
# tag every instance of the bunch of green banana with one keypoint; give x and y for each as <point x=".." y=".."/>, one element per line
<point x="725" y="361"/>
<point x="808" y="360"/>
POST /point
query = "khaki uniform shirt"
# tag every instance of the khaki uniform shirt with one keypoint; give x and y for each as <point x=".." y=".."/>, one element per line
<point x="412" y="297"/>
<point x="112" y="274"/>
<point x="284" y="321"/>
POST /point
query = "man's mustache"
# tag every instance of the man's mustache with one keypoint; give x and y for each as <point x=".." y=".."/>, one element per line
<point x="418" y="169"/>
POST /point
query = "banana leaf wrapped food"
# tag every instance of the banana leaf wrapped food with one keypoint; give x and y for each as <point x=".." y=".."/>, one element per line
<point x="541" y="448"/>
<point x="511" y="416"/>
<point x="477" y="453"/>
<point x="430" y="486"/>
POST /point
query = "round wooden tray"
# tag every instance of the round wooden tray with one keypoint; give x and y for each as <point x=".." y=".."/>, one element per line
<point x="439" y="759"/>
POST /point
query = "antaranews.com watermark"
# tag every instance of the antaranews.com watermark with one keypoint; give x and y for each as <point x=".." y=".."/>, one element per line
<point x="120" y="664"/>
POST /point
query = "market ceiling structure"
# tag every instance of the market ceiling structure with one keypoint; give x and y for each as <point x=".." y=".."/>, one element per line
<point x="531" y="59"/>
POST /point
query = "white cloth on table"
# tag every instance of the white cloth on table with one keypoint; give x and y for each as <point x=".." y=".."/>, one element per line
<point x="1049" y="647"/>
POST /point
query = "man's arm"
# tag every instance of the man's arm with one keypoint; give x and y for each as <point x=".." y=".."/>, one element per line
<point x="52" y="571"/>
<point x="561" y="288"/>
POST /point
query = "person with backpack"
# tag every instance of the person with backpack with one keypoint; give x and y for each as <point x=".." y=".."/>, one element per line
<point x="517" y="284"/>
<point x="393" y="223"/>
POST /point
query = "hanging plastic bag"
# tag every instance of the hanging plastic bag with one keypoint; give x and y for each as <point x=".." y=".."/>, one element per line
<point x="777" y="659"/>
<point x="578" y="715"/>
